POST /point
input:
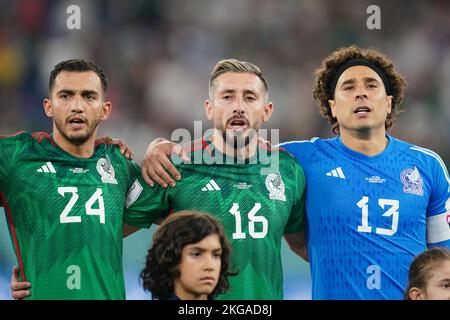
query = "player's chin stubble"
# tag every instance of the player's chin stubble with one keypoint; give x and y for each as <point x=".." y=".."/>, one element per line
<point x="235" y="140"/>
<point x="77" y="139"/>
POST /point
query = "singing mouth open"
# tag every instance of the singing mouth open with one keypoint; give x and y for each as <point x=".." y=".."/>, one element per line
<point x="362" y="110"/>
<point x="237" y="124"/>
<point x="77" y="122"/>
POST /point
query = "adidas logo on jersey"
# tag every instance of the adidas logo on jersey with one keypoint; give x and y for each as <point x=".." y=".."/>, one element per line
<point x="211" y="186"/>
<point x="337" y="173"/>
<point x="47" y="168"/>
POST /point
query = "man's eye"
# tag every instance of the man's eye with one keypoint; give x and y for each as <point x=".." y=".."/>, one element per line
<point x="348" y="88"/>
<point x="250" y="98"/>
<point x="227" y="97"/>
<point x="372" y="86"/>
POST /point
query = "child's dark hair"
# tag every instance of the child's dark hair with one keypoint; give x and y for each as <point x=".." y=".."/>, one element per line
<point x="163" y="258"/>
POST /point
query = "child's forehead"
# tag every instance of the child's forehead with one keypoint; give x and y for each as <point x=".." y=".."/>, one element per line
<point x="210" y="242"/>
<point x="441" y="270"/>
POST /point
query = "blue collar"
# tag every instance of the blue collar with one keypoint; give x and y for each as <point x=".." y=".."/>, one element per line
<point x="388" y="150"/>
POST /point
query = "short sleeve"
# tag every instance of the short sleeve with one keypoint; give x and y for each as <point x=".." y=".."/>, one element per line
<point x="144" y="204"/>
<point x="296" y="221"/>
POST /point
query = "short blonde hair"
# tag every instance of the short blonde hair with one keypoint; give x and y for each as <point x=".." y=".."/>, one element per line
<point x="233" y="65"/>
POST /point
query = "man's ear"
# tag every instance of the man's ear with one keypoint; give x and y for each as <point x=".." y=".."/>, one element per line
<point x="389" y="101"/>
<point x="47" y="104"/>
<point x="332" y="104"/>
<point x="268" y="110"/>
<point x="106" y="110"/>
<point x="208" y="109"/>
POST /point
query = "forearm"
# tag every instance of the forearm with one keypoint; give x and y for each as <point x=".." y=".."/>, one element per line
<point x="127" y="230"/>
<point x="297" y="243"/>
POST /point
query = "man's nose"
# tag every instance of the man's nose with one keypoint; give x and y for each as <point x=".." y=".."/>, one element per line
<point x="77" y="104"/>
<point x="239" y="107"/>
<point x="361" y="92"/>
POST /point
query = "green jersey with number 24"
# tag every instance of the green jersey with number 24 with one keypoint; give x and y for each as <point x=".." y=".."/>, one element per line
<point x="65" y="216"/>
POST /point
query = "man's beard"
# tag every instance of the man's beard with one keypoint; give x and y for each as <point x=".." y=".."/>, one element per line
<point x="238" y="140"/>
<point x="77" y="140"/>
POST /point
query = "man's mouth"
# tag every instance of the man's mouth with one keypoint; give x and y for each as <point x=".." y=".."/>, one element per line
<point x="362" y="110"/>
<point x="77" y="122"/>
<point x="237" y="124"/>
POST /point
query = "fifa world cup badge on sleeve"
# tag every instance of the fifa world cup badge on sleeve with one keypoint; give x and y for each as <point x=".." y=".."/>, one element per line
<point x="133" y="193"/>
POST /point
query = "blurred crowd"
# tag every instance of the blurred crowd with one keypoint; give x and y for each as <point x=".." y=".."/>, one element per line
<point x="158" y="55"/>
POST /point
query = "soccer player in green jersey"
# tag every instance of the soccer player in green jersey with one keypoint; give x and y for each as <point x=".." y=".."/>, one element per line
<point x="63" y="194"/>
<point x="257" y="194"/>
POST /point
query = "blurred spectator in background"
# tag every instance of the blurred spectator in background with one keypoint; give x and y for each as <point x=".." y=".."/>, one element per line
<point x="158" y="53"/>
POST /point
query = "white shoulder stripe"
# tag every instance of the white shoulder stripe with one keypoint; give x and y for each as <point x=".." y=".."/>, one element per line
<point x="437" y="157"/>
<point x="298" y="141"/>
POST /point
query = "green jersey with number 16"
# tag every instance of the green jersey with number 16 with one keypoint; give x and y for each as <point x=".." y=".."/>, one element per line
<point x="65" y="216"/>
<point x="257" y="202"/>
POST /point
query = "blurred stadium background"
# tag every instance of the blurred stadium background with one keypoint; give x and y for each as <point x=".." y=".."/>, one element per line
<point x="158" y="55"/>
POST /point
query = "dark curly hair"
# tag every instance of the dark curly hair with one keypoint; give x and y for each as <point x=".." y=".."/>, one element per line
<point x="163" y="258"/>
<point x="325" y="74"/>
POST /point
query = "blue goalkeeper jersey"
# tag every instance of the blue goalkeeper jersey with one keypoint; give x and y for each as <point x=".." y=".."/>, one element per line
<point x="368" y="217"/>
